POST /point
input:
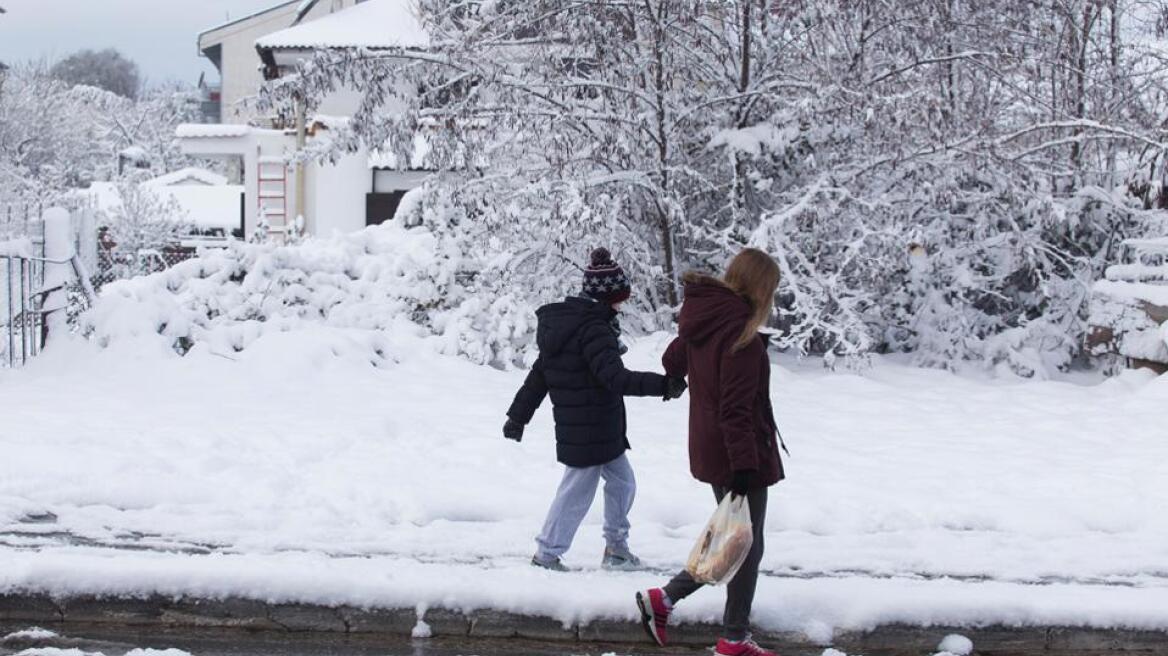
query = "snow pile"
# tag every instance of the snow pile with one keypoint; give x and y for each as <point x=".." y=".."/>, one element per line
<point x="56" y="651"/>
<point x="952" y="645"/>
<point x="34" y="633"/>
<point x="955" y="645"/>
<point x="421" y="630"/>
<point x="374" y="280"/>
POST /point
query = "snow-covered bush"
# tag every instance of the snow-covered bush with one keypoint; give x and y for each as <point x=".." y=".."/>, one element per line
<point x="382" y="278"/>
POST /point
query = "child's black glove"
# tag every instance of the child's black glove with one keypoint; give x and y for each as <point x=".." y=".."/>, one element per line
<point x="740" y="484"/>
<point x="513" y="430"/>
<point x="674" y="388"/>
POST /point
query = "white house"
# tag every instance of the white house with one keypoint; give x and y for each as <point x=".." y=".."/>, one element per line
<point x="231" y="48"/>
<point x="357" y="190"/>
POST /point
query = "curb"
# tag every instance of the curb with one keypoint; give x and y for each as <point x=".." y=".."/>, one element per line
<point x="251" y="615"/>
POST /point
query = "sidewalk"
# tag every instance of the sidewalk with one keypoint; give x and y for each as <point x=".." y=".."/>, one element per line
<point x="143" y="581"/>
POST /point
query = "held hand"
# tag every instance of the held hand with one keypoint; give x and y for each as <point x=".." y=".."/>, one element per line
<point x="740" y="484"/>
<point x="513" y="430"/>
<point x="674" y="388"/>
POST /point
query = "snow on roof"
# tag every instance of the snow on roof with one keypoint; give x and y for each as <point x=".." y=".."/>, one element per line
<point x="209" y="207"/>
<point x="1133" y="291"/>
<point x="247" y="17"/>
<point x="205" y="206"/>
<point x="210" y="130"/>
<point x="1154" y="245"/>
<point x="136" y="153"/>
<point x="370" y="24"/>
<point x="201" y="176"/>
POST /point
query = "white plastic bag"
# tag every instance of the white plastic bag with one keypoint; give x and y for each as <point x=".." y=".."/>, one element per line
<point x="724" y="544"/>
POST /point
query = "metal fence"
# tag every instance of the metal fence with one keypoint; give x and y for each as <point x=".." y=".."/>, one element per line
<point x="21" y="304"/>
<point x="92" y="261"/>
<point x="29" y="298"/>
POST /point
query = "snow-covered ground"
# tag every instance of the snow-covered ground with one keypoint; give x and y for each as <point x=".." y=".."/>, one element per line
<point x="297" y="469"/>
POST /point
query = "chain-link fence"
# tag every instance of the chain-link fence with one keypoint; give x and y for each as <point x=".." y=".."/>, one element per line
<point x="113" y="264"/>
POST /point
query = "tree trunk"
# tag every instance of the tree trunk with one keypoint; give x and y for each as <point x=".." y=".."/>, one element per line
<point x="664" y="221"/>
<point x="1082" y="35"/>
<point x="1112" y="147"/>
<point x="739" y="191"/>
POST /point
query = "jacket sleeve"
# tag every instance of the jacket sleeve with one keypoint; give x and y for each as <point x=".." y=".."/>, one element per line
<point x="676" y="359"/>
<point x="530" y="395"/>
<point x="602" y="353"/>
<point x="738" y="383"/>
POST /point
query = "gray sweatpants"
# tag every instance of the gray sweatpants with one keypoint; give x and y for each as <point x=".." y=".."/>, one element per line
<point x="740" y="590"/>
<point x="574" y="498"/>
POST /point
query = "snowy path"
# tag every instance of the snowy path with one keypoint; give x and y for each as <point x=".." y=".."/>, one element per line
<point x="292" y="473"/>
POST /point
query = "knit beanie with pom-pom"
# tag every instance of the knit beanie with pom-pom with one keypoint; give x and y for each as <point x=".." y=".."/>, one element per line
<point x="604" y="280"/>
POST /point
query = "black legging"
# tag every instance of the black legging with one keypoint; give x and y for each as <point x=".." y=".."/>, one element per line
<point x="740" y="590"/>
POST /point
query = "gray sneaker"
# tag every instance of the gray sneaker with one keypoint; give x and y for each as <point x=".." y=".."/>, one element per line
<point x="620" y="560"/>
<point x="553" y="565"/>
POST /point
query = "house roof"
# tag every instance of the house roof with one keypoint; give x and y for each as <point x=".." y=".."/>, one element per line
<point x="210" y="130"/>
<point x="205" y="207"/>
<point x="202" y="176"/>
<point x="248" y="17"/>
<point x="370" y="24"/>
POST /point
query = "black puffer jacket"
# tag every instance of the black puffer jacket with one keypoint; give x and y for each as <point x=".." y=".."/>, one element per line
<point x="580" y="366"/>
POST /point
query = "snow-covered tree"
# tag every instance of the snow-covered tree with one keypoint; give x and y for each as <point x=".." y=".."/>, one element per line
<point x="55" y="137"/>
<point x="141" y="227"/>
<point x="938" y="176"/>
<point x="105" y="69"/>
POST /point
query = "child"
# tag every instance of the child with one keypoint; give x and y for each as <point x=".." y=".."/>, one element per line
<point x="580" y="366"/>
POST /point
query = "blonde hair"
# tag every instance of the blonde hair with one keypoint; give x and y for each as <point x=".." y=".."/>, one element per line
<point x="754" y="276"/>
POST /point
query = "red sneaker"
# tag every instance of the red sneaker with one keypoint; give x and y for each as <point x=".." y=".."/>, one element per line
<point x="747" y="647"/>
<point x="654" y="614"/>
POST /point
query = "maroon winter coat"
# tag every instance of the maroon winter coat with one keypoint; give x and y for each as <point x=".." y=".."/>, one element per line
<point x="731" y="424"/>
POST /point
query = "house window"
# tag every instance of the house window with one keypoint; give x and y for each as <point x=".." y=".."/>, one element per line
<point x="380" y="207"/>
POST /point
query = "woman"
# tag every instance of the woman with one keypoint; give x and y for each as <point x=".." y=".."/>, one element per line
<point x="731" y="425"/>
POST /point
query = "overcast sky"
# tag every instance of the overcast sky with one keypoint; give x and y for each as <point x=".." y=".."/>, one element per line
<point x="158" y="34"/>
